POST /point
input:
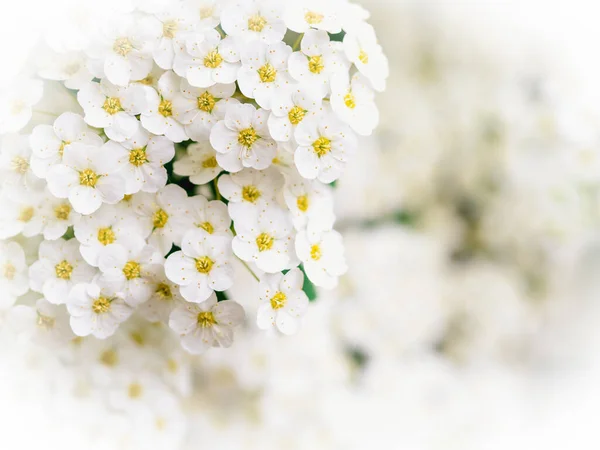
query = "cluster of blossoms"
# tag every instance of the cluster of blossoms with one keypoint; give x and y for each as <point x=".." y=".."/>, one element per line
<point x="193" y="140"/>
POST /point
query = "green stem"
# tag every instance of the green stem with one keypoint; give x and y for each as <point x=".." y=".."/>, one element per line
<point x="216" y="188"/>
<point x="296" y="45"/>
<point x="250" y="270"/>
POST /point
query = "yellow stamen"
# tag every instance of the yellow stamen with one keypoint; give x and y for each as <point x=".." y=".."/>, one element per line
<point x="63" y="211"/>
<point x="26" y="214"/>
<point x="112" y="105"/>
<point x="165" y="108"/>
<point x="257" y="23"/>
<point x="315" y="252"/>
<point x="170" y="28"/>
<point x="322" y="146"/>
<point x="207" y="226"/>
<point x="163" y="291"/>
<point x="88" y="178"/>
<point x="9" y="271"/>
<point x="206" y="102"/>
<point x="363" y="57"/>
<point x="135" y="390"/>
<point x="316" y="64"/>
<point x="206" y="319"/>
<point x="122" y="46"/>
<point x="267" y="73"/>
<point x="101" y="305"/>
<point x="302" y="203"/>
<point x="296" y="115"/>
<point x="204" y="264"/>
<point x="210" y="163"/>
<point x="137" y="157"/>
<point x="106" y="236"/>
<point x="264" y="242"/>
<point x="250" y="193"/>
<point x="20" y="165"/>
<point x="132" y="270"/>
<point x="109" y="358"/>
<point x="278" y="300"/>
<point x="313" y="18"/>
<point x="350" y="100"/>
<point x="160" y="218"/>
<point x="247" y="137"/>
<point x="213" y="59"/>
<point x="63" y="270"/>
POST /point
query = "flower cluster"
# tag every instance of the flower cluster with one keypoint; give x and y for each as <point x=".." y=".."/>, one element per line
<point x="187" y="142"/>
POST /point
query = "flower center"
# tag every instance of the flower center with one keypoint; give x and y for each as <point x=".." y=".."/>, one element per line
<point x="88" y="178"/>
<point x="315" y="64"/>
<point x="257" y="23"/>
<point x="135" y="390"/>
<point x="20" y="165"/>
<point x="63" y="144"/>
<point x="302" y="203"/>
<point x="315" y="252"/>
<point x="112" y="105"/>
<point x="122" y="46"/>
<point x="101" y="305"/>
<point x="132" y="270"/>
<point x="63" y="211"/>
<point x="45" y="322"/>
<point x="264" y="242"/>
<point x="206" y="102"/>
<point x="278" y="300"/>
<point x="363" y="57"/>
<point x="207" y="226"/>
<point x="26" y="214"/>
<point x="163" y="291"/>
<point x="213" y="59"/>
<point x="165" y="108"/>
<point x="296" y="115"/>
<point x="204" y="264"/>
<point x="322" y="146"/>
<point x="170" y="29"/>
<point x="106" y="236"/>
<point x="109" y="358"/>
<point x="267" y="73"/>
<point x="250" y="193"/>
<point x="9" y="271"/>
<point x="63" y="270"/>
<point x="313" y="18"/>
<point x="350" y="100"/>
<point x="210" y="163"/>
<point x="206" y="319"/>
<point x="160" y="218"/>
<point x="206" y="12"/>
<point x="247" y="137"/>
<point x="137" y="157"/>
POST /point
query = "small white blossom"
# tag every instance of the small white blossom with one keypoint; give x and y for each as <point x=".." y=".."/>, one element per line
<point x="302" y="15"/>
<point x="57" y="216"/>
<point x="205" y="60"/>
<point x="20" y="212"/>
<point x="202" y="266"/>
<point x="44" y="324"/>
<point x="212" y="216"/>
<point x="88" y="177"/>
<point x="308" y="201"/>
<point x="242" y="139"/>
<point x="353" y="101"/>
<point x="96" y="310"/>
<point x="131" y="268"/>
<point x="282" y="301"/>
<point x="265" y="238"/>
<point x="48" y="142"/>
<point x="200" y="164"/>
<point x="164" y="297"/>
<point x="59" y="267"/>
<point x="16" y="104"/>
<point x="362" y="49"/>
<point x="176" y="21"/>
<point x="14" y="280"/>
<point x="15" y="158"/>
<point x="290" y="108"/>
<point x="207" y="324"/>
<point x="322" y="254"/>
<point x="251" y="20"/>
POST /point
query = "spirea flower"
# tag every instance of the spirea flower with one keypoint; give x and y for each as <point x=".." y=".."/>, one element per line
<point x="178" y="143"/>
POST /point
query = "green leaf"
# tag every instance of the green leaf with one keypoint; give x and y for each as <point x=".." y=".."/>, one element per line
<point x="221" y="296"/>
<point x="308" y="287"/>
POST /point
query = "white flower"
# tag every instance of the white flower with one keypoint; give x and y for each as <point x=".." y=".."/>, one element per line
<point x="165" y="297"/>
<point x="15" y="157"/>
<point x="124" y="48"/>
<point x="205" y="60"/>
<point x="142" y="159"/>
<point x="264" y="71"/>
<point x="88" y="177"/>
<point x="212" y="216"/>
<point x="59" y="268"/>
<point x="200" y="164"/>
<point x="105" y="227"/>
<point x="208" y="324"/>
<point x="308" y="201"/>
<point x="282" y="301"/>
<point x="159" y="119"/>
<point x="302" y="15"/>
<point x="318" y="61"/>
<point x="176" y="21"/>
<point x="202" y="266"/>
<point x="57" y="216"/>
<point x="114" y="108"/>
<point x="249" y="189"/>
<point x="362" y="49"/>
<point x="322" y="254"/>
<point x="290" y="108"/>
<point x="20" y="212"/>
<point x="324" y="144"/>
<point x="135" y="391"/>
<point x="265" y="238"/>
<point x="70" y="68"/>
<point x="243" y="139"/>
<point x="166" y="213"/>
<point x="131" y="267"/>
<point x="44" y="324"/>
<point x="353" y="101"/>
<point x="250" y="20"/>
<point x="96" y="310"/>
<point x="48" y="142"/>
<point x="14" y="280"/>
<point x="16" y="104"/>
<point x="200" y="109"/>
<point x="207" y="11"/>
